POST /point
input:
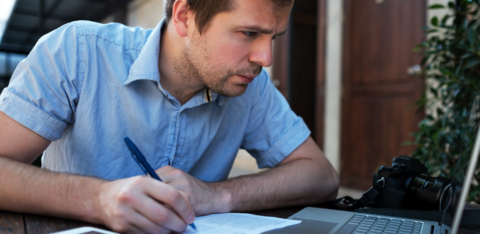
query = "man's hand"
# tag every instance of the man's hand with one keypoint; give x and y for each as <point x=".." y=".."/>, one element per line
<point x="133" y="205"/>
<point x="304" y="177"/>
<point x="143" y="205"/>
<point x="202" y="195"/>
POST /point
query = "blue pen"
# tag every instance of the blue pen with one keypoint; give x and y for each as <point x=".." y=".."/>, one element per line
<point x="142" y="162"/>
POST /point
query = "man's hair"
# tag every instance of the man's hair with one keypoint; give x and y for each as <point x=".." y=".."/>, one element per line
<point x="205" y="10"/>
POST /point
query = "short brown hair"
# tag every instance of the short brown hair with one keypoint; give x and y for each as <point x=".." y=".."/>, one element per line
<point x="205" y="10"/>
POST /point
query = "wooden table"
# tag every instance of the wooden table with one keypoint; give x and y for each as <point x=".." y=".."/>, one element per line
<point x="16" y="223"/>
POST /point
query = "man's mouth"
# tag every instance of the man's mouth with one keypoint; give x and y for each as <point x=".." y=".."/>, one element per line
<point x="246" y="78"/>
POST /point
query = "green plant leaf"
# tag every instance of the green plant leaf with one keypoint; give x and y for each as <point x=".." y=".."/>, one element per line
<point x="451" y="59"/>
<point x="432" y="30"/>
<point x="472" y="62"/>
<point x="434" y="21"/>
<point x="466" y="56"/>
<point x="443" y="22"/>
<point x="436" y="6"/>
<point x="472" y="36"/>
<point x="451" y="5"/>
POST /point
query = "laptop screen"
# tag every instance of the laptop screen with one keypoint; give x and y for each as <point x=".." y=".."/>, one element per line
<point x="452" y="200"/>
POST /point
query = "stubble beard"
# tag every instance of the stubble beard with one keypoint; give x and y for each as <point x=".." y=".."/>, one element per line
<point x="196" y="66"/>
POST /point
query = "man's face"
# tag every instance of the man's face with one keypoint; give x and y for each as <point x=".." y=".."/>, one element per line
<point x="235" y="46"/>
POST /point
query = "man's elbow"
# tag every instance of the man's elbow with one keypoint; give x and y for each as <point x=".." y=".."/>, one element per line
<point x="332" y="185"/>
<point x="329" y="184"/>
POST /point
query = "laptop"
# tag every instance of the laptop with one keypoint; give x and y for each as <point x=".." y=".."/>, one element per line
<point x="327" y="221"/>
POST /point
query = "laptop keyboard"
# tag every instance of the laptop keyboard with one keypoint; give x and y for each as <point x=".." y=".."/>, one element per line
<point x="363" y="224"/>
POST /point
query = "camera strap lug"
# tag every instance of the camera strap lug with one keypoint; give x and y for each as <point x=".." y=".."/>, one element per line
<point x="381" y="180"/>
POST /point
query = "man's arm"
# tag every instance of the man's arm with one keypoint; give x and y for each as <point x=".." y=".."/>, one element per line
<point x="304" y="177"/>
<point x="127" y="205"/>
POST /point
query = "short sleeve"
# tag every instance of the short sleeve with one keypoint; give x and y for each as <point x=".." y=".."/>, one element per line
<point x="44" y="89"/>
<point x="274" y="131"/>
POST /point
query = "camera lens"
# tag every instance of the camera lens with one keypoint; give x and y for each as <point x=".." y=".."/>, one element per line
<point x="426" y="192"/>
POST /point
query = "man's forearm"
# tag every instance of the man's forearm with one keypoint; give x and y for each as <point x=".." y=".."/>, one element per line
<point x="298" y="182"/>
<point x="24" y="188"/>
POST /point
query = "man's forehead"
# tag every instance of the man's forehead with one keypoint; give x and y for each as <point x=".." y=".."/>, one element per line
<point x="259" y="15"/>
<point x="260" y="6"/>
<point x="274" y="3"/>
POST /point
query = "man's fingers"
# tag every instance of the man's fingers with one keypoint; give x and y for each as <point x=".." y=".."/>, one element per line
<point x="143" y="204"/>
<point x="135" y="229"/>
<point x="170" y="196"/>
<point x="164" y="170"/>
<point x="161" y="215"/>
<point x="176" y="177"/>
<point x="146" y="225"/>
<point x="170" y="174"/>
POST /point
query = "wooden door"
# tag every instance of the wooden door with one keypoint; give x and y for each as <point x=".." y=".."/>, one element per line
<point x="299" y="64"/>
<point x="378" y="112"/>
<point x="303" y="55"/>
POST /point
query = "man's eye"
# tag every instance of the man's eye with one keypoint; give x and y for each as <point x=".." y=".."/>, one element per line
<point x="250" y="34"/>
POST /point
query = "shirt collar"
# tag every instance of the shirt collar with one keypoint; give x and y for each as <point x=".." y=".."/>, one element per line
<point x="145" y="66"/>
<point x="210" y="96"/>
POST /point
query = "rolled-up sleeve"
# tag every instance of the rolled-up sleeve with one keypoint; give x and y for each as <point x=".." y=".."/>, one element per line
<point x="43" y="92"/>
<point x="274" y="130"/>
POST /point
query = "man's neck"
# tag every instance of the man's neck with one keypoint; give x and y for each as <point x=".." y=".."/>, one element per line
<point x="171" y="47"/>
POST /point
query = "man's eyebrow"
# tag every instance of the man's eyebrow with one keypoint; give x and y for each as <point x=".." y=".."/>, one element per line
<point x="260" y="30"/>
<point x="282" y="33"/>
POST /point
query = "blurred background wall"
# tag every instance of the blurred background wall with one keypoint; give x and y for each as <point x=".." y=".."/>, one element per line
<point x="342" y="67"/>
<point x="145" y="13"/>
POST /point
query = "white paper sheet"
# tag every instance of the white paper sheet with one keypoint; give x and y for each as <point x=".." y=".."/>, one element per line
<point x="237" y="223"/>
<point x="234" y="223"/>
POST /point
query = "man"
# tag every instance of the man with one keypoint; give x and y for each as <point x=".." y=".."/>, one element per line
<point x="189" y="93"/>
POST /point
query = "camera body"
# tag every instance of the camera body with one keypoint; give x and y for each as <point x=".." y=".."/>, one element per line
<point x="406" y="185"/>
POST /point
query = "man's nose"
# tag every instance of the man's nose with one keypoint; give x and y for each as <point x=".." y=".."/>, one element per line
<point x="262" y="53"/>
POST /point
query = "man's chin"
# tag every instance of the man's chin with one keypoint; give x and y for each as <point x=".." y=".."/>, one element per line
<point x="238" y="90"/>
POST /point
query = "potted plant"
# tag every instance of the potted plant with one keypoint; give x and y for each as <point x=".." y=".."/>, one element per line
<point x="451" y="67"/>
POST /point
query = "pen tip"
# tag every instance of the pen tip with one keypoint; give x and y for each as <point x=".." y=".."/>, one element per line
<point x="194" y="227"/>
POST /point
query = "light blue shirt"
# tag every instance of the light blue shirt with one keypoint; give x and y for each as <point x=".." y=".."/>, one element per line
<point x="85" y="86"/>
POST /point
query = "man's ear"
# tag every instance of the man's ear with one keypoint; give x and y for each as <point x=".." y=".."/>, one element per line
<point x="180" y="17"/>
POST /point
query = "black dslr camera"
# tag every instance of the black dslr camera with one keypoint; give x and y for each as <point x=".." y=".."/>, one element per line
<point x="406" y="185"/>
